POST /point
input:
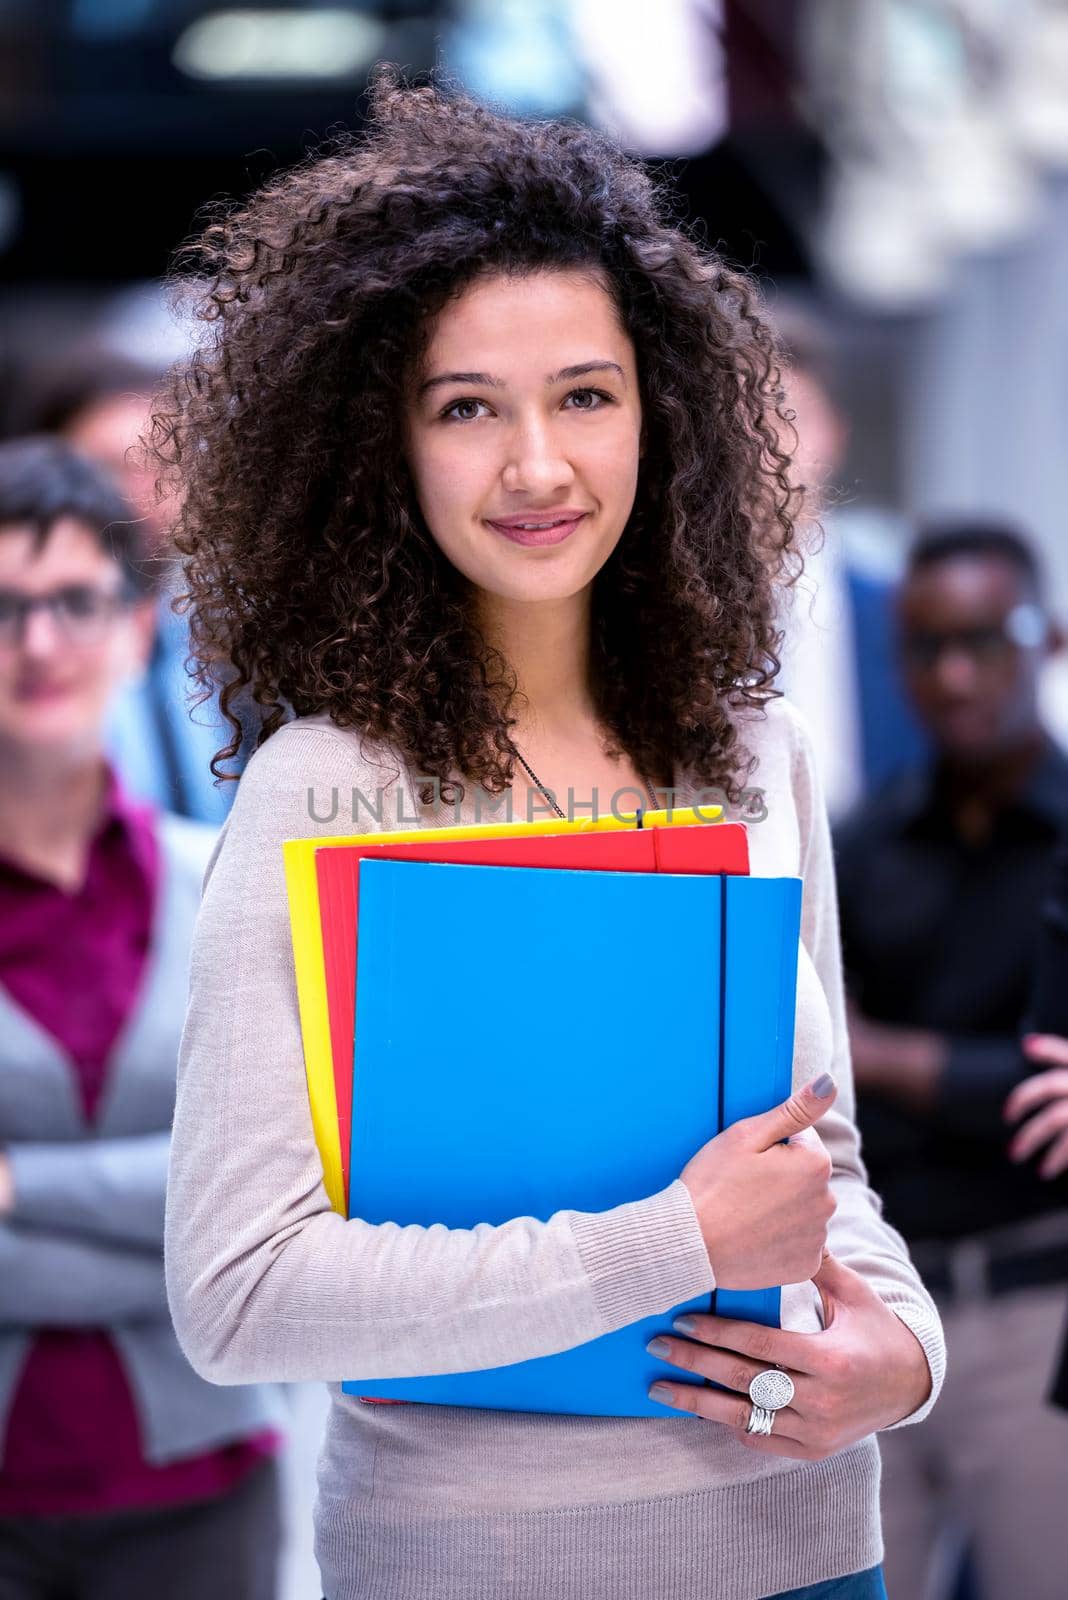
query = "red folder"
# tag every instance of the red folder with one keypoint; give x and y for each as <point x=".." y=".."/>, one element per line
<point x="697" y="848"/>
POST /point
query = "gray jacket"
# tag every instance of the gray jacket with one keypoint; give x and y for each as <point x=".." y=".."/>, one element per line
<point x="84" y="1245"/>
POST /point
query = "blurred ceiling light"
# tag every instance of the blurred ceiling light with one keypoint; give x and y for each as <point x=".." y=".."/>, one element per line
<point x="518" y="52"/>
<point x="657" y="73"/>
<point x="325" y="43"/>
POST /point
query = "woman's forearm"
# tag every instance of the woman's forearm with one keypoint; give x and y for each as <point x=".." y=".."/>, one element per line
<point x="329" y="1299"/>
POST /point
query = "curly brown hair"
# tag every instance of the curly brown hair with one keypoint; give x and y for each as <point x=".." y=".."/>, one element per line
<point x="314" y="584"/>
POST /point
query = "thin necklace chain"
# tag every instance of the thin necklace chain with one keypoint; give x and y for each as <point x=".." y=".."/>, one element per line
<point x="548" y="794"/>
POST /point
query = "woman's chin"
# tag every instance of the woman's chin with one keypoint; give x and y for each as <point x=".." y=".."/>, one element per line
<point x="553" y="575"/>
<point x="532" y="593"/>
<point x="60" y="730"/>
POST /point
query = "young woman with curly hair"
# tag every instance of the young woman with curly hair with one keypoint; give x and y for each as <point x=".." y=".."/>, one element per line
<point x="481" y="491"/>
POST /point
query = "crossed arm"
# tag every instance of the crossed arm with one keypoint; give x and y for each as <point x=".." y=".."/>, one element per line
<point x="81" y="1231"/>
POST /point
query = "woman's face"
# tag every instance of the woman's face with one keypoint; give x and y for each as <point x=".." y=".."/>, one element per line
<point x="60" y="664"/>
<point x="108" y="430"/>
<point x="524" y="430"/>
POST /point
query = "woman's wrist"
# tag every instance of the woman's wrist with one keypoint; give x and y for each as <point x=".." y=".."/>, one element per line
<point x="643" y="1256"/>
<point x="927" y="1336"/>
<point x="915" y="1373"/>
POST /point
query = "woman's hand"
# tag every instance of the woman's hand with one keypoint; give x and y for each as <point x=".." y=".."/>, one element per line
<point x="1043" y="1100"/>
<point x="763" y="1204"/>
<point x="865" y="1371"/>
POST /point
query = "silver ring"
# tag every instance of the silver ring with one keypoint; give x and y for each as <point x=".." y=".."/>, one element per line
<point x="761" y="1420"/>
<point x="772" y="1389"/>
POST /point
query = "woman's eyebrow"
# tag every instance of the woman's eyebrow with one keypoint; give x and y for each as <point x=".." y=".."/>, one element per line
<point x="582" y="370"/>
<point x="481" y="378"/>
<point x="585" y="368"/>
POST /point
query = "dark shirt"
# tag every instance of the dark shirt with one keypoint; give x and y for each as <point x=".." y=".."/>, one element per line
<point x="1049" y="1011"/>
<point x="1049" y="999"/>
<point x="941" y="934"/>
<point x="72" y="1441"/>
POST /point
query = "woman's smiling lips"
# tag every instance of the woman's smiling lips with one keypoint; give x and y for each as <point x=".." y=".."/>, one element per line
<point x="539" y="527"/>
<point x="42" y="693"/>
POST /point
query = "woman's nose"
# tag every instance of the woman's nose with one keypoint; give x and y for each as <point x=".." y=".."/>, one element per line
<point x="40" y="634"/>
<point x="534" y="464"/>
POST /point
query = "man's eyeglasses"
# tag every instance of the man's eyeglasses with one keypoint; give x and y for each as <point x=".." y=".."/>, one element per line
<point x="1023" y="628"/>
<point x="82" y="614"/>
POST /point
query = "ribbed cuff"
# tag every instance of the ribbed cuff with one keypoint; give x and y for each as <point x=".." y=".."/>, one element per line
<point x="644" y="1257"/>
<point x="928" y="1330"/>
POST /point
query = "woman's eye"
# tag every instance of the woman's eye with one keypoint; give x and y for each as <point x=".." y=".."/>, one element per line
<point x="80" y="602"/>
<point x="588" y="399"/>
<point x="462" y="410"/>
<point x="577" y="399"/>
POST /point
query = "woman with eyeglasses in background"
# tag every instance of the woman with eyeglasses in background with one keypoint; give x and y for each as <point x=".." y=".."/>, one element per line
<point x="119" y="1467"/>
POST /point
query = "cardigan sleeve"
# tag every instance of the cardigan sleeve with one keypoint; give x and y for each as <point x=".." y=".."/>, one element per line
<point x="265" y="1280"/>
<point x="859" y="1235"/>
<point x="109" y="1189"/>
<point x="57" y="1280"/>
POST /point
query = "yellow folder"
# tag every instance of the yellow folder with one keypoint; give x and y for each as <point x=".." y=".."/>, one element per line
<point x="302" y="887"/>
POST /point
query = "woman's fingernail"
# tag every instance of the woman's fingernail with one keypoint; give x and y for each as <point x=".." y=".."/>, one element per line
<point x="684" y="1325"/>
<point x="658" y="1347"/>
<point x="823" y="1085"/>
<point x="661" y="1392"/>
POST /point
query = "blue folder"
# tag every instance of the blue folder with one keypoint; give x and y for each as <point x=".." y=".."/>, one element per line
<point x="514" y="1032"/>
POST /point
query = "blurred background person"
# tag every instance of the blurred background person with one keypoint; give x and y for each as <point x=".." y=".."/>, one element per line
<point x="121" y="1472"/>
<point x="839" y="663"/>
<point x="99" y="400"/>
<point x="1038" y="1107"/>
<point x="941" y="876"/>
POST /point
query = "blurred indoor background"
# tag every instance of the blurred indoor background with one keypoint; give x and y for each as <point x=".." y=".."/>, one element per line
<point x="901" y="164"/>
<point x="895" y="172"/>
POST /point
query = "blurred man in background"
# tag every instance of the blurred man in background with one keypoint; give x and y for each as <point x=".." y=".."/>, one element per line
<point x="100" y="402"/>
<point x="941" y="876"/>
<point x="839" y="666"/>
<point x="122" y="1473"/>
